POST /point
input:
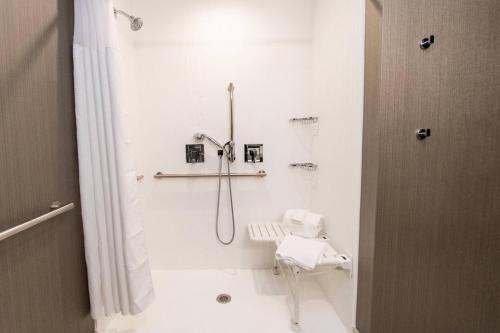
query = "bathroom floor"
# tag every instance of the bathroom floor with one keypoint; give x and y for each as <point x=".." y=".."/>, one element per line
<point x="186" y="303"/>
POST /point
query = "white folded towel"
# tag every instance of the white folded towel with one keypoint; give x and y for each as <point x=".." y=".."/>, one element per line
<point x="295" y="216"/>
<point x="292" y="219"/>
<point x="303" y="252"/>
<point x="313" y="225"/>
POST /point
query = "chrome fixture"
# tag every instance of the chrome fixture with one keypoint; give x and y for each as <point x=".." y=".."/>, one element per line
<point x="201" y="137"/>
<point x="230" y="89"/>
<point x="423" y="133"/>
<point x="226" y="149"/>
<point x="160" y="174"/>
<point x="56" y="210"/>
<point x="223" y="298"/>
<point x="308" y="166"/>
<point x="195" y="153"/>
<point x="254" y="153"/>
<point x="305" y="120"/>
<point x="135" y="22"/>
<point x="426" y="42"/>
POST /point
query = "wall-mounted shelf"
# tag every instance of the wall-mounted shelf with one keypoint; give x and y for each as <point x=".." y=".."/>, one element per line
<point x="260" y="173"/>
<point x="308" y="166"/>
<point x="305" y="120"/>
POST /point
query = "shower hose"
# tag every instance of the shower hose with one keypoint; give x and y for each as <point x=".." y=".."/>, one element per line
<point x="221" y="156"/>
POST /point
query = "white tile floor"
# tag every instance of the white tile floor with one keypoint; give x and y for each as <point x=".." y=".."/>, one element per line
<point x="185" y="303"/>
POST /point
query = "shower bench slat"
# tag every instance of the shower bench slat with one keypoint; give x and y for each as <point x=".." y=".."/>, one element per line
<point x="267" y="232"/>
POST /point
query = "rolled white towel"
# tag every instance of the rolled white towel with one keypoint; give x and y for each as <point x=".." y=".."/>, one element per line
<point x="295" y="216"/>
<point x="313" y="225"/>
<point x="293" y="220"/>
<point x="303" y="252"/>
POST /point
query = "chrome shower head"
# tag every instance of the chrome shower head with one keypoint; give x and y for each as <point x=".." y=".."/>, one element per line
<point x="135" y="22"/>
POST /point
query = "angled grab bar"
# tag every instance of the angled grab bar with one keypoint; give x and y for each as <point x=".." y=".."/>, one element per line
<point x="19" y="228"/>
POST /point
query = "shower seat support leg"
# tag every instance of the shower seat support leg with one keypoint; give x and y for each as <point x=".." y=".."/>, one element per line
<point x="276" y="268"/>
<point x="296" y="299"/>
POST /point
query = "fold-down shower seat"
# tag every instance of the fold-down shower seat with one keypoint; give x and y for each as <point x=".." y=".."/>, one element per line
<point x="330" y="261"/>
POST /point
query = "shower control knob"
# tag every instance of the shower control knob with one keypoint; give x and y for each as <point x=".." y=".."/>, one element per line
<point x="423" y="133"/>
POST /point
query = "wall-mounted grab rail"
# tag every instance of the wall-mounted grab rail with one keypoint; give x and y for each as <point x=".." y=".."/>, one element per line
<point x="58" y="210"/>
<point x="260" y="173"/>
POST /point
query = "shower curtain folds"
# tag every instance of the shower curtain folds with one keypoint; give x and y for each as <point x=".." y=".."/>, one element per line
<point x="118" y="269"/>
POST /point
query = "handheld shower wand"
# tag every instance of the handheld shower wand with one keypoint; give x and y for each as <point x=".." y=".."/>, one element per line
<point x="223" y="149"/>
<point x="228" y="150"/>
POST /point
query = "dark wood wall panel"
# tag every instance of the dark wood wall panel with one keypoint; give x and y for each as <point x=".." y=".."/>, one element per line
<point x="43" y="279"/>
<point x="43" y="286"/>
<point x="436" y="259"/>
<point x="37" y="146"/>
<point x="373" y="50"/>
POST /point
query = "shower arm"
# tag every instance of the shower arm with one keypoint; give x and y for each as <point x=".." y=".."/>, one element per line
<point x="119" y="11"/>
<point x="203" y="136"/>
<point x="215" y="142"/>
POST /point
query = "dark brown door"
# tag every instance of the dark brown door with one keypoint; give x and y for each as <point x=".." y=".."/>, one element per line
<point x="436" y="258"/>
<point x="43" y="287"/>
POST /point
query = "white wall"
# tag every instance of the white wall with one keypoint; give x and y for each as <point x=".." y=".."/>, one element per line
<point x="338" y="67"/>
<point x="287" y="58"/>
<point x="185" y="56"/>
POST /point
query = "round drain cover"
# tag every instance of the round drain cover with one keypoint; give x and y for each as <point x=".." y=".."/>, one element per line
<point x="223" y="298"/>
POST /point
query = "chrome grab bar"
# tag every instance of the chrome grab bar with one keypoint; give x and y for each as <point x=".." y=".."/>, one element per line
<point x="57" y="210"/>
<point x="260" y="173"/>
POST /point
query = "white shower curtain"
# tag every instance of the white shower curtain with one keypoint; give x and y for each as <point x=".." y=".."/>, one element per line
<point x="118" y="269"/>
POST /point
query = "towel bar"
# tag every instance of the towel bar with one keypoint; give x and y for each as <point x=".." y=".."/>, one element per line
<point x="19" y="228"/>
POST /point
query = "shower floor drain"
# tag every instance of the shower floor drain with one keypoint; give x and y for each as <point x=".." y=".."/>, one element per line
<point x="223" y="298"/>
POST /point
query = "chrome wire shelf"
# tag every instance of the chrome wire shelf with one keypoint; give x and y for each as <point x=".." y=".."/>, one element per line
<point x="307" y="166"/>
<point x="305" y="120"/>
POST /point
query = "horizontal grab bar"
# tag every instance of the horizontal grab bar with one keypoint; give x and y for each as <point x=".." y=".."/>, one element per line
<point x="260" y="173"/>
<point x="19" y="228"/>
